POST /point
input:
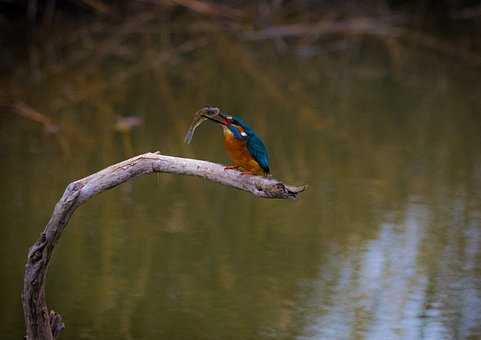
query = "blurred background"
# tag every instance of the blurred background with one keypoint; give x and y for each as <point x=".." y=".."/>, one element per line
<point x="376" y="105"/>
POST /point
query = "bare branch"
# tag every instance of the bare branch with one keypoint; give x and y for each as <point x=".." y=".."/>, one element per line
<point x="354" y="26"/>
<point x="45" y="325"/>
<point x="28" y="112"/>
<point x="210" y="8"/>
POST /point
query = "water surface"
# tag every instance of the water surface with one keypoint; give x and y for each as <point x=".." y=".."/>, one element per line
<point x="386" y="244"/>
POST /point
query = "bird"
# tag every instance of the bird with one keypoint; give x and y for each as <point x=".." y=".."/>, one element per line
<point x="245" y="149"/>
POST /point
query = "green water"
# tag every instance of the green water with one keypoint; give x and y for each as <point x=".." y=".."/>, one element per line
<point x="385" y="244"/>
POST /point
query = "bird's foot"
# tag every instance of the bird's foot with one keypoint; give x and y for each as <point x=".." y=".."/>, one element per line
<point x="247" y="173"/>
<point x="231" y="167"/>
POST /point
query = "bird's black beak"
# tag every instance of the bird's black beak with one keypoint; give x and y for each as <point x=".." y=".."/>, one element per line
<point x="218" y="121"/>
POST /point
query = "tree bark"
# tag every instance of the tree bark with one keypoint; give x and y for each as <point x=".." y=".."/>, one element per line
<point x="45" y="325"/>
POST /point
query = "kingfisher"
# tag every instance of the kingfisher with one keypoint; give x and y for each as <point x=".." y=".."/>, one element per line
<point x="245" y="149"/>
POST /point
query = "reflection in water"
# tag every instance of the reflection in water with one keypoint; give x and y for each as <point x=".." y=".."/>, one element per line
<point x="382" y="290"/>
<point x="384" y="245"/>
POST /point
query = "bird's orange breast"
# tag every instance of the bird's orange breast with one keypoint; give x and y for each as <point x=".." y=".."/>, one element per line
<point x="238" y="153"/>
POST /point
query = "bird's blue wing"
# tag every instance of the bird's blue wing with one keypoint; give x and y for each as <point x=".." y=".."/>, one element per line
<point x="258" y="151"/>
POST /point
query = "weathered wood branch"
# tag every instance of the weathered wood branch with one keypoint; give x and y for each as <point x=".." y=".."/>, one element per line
<point x="45" y="325"/>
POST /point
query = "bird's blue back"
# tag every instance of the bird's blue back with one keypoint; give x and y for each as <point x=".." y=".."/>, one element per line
<point x="255" y="146"/>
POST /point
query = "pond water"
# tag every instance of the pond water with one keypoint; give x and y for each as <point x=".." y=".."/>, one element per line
<point x="385" y="244"/>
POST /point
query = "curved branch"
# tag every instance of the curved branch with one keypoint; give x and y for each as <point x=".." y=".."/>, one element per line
<point x="42" y="324"/>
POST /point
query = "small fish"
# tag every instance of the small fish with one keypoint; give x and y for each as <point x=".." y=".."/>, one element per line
<point x="199" y="117"/>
